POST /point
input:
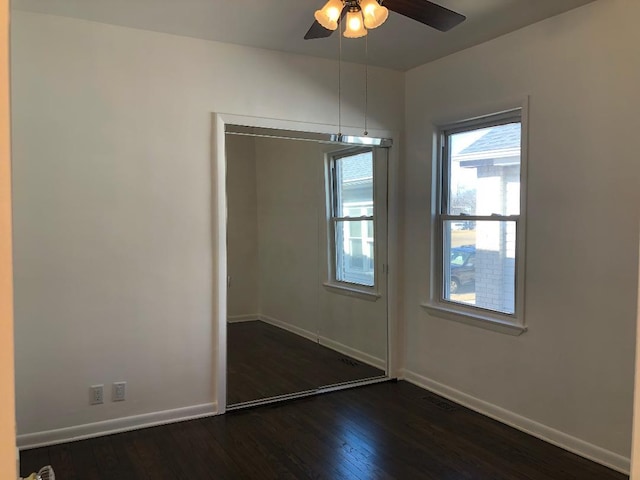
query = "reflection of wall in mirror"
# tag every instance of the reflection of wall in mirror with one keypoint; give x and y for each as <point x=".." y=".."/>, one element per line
<point x="242" y="228"/>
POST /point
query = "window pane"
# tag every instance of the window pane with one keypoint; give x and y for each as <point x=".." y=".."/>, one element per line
<point x="479" y="264"/>
<point x="354" y="176"/>
<point x="354" y="255"/>
<point x="355" y="229"/>
<point x="484" y="171"/>
<point x="353" y="212"/>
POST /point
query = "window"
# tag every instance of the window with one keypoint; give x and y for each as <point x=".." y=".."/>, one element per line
<point x="479" y="222"/>
<point x="352" y="218"/>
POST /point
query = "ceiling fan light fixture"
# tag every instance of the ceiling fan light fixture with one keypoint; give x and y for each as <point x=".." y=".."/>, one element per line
<point x="374" y="14"/>
<point x="354" y="26"/>
<point x="329" y="15"/>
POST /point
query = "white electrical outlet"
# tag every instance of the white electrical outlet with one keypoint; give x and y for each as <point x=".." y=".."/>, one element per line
<point x="96" y="394"/>
<point x="119" y="393"/>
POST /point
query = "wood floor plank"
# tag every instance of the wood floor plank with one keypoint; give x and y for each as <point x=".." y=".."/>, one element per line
<point x="110" y="463"/>
<point x="310" y="447"/>
<point x="62" y="457"/>
<point x="84" y="461"/>
<point x="171" y="454"/>
<point x="146" y="453"/>
<point x="237" y="437"/>
<point x="387" y="431"/>
<point x="34" y="459"/>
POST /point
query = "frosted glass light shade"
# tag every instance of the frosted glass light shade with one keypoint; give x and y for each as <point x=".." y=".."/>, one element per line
<point x="354" y="26"/>
<point x="329" y="15"/>
<point x="374" y="14"/>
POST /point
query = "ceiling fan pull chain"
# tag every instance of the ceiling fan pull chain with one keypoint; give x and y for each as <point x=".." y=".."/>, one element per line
<point x="366" y="83"/>
<point x="340" y="84"/>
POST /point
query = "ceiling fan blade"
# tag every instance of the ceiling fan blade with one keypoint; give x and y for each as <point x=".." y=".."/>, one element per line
<point x="317" y="31"/>
<point x="426" y="12"/>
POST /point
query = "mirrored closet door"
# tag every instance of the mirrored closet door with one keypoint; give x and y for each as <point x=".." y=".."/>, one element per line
<point x="306" y="241"/>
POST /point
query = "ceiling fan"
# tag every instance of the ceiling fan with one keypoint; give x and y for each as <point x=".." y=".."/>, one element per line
<point x="363" y="15"/>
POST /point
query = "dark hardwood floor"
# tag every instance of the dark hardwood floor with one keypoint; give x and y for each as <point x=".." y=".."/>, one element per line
<point x="265" y="361"/>
<point x="383" y="431"/>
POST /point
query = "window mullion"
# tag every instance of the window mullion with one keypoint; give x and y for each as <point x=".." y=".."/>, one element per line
<point x="444" y="172"/>
<point x="353" y="219"/>
<point x="479" y="218"/>
<point x="334" y="189"/>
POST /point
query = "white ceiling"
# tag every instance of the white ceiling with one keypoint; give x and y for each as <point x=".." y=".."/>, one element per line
<point x="401" y="43"/>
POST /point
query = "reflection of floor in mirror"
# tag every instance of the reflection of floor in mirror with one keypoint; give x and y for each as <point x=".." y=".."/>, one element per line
<point x="265" y="361"/>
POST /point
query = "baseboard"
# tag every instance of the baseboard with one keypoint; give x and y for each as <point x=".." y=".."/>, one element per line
<point x="543" y="432"/>
<point x="251" y="317"/>
<point x="353" y="353"/>
<point x="117" y="425"/>
<point x="327" y="342"/>
<point x="309" y="335"/>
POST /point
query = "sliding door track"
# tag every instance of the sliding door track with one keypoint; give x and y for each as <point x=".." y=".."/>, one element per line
<point x="307" y="393"/>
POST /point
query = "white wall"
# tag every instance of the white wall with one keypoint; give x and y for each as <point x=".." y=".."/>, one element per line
<point x="112" y="205"/>
<point x="573" y="370"/>
<point x="242" y="227"/>
<point x="290" y="212"/>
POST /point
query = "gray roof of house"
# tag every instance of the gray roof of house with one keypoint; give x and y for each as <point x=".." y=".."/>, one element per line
<point x="357" y="167"/>
<point x="502" y="137"/>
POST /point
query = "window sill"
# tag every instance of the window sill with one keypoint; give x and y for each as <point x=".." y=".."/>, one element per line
<point x="476" y="320"/>
<point x="352" y="291"/>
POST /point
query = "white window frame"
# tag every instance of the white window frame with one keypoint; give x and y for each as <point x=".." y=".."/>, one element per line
<point x="341" y="286"/>
<point x="512" y="324"/>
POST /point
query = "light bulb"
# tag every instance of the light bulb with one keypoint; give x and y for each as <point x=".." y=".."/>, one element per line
<point x="333" y="14"/>
<point x="355" y="26"/>
<point x="355" y="23"/>
<point x="368" y="7"/>
<point x="328" y="15"/>
<point x="374" y="14"/>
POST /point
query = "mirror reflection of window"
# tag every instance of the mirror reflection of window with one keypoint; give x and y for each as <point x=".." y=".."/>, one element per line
<point x="353" y="218"/>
